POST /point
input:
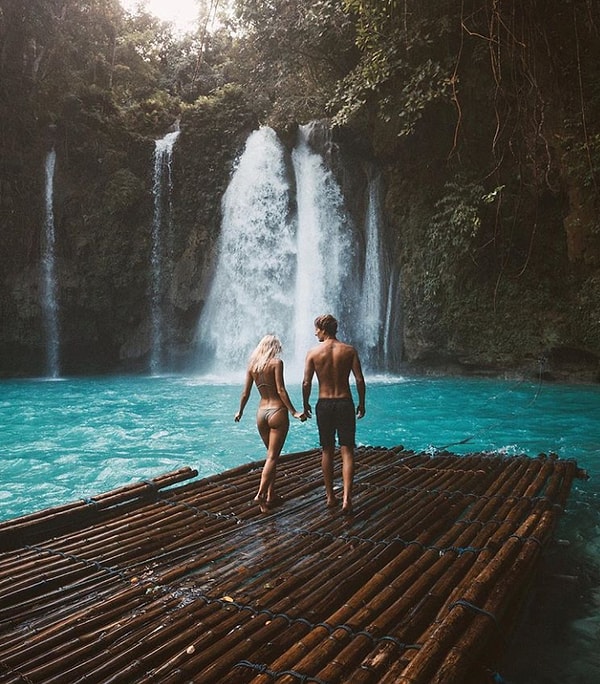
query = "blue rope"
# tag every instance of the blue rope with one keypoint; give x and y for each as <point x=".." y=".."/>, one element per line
<point x="480" y="611"/>
<point x="261" y="668"/>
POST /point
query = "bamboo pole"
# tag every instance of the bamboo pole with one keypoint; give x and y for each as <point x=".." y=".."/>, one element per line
<point x="387" y="580"/>
<point x="439" y="637"/>
<point x="380" y="571"/>
<point x="41" y="523"/>
<point x="492" y="509"/>
<point x="379" y="580"/>
<point x="488" y="623"/>
<point x="346" y="621"/>
<point x="236" y="655"/>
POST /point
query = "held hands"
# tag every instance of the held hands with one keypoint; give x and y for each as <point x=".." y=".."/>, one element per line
<point x="300" y="416"/>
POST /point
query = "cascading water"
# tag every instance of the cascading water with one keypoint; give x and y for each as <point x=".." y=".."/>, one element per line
<point x="161" y="228"/>
<point x="325" y="245"/>
<point x="277" y="269"/>
<point x="373" y="298"/>
<point x="48" y="280"/>
<point x="392" y="326"/>
<point x="252" y="290"/>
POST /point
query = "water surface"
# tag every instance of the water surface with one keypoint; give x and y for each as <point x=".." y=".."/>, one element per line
<point x="73" y="438"/>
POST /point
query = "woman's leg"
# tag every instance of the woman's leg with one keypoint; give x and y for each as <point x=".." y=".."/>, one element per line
<point x="274" y="435"/>
<point x="276" y="441"/>
<point x="262" y="424"/>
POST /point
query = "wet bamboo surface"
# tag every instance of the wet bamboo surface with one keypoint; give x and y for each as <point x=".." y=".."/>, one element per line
<point x="173" y="581"/>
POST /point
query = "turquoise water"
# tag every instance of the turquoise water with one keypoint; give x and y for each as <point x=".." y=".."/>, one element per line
<point x="68" y="439"/>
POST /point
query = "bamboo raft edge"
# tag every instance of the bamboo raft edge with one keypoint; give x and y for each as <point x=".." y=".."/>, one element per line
<point x="178" y="580"/>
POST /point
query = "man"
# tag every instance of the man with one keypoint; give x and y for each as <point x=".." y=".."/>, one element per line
<point x="333" y="361"/>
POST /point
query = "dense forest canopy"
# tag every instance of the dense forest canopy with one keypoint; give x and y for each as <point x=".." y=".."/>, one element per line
<point x="493" y="106"/>
<point x="530" y="67"/>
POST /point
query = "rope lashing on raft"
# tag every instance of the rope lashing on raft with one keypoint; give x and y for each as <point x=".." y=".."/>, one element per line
<point x="479" y="611"/>
<point x="261" y="668"/>
<point x="330" y="629"/>
<point x="91" y="502"/>
<point x="9" y="671"/>
<point x="199" y="511"/>
<point x="128" y="576"/>
<point x="77" y="559"/>
<point x="394" y="540"/>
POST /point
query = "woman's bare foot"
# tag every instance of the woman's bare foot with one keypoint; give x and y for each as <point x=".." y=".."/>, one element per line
<point x="347" y="508"/>
<point x="332" y="502"/>
<point x="262" y="503"/>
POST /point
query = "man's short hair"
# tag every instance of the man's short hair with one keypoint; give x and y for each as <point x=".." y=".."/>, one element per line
<point x="327" y="323"/>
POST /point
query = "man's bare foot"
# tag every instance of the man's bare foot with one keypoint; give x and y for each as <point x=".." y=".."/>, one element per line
<point x="275" y="500"/>
<point x="332" y="502"/>
<point x="347" y="509"/>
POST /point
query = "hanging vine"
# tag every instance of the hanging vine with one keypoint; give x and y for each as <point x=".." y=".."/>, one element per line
<point x="522" y="85"/>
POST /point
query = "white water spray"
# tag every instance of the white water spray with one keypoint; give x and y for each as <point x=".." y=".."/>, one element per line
<point x="370" y="323"/>
<point x="252" y="289"/>
<point x="48" y="281"/>
<point x="325" y="247"/>
<point x="280" y="263"/>
<point x="161" y="226"/>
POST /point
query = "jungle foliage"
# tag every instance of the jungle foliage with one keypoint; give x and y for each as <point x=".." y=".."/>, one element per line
<point x="484" y="116"/>
<point x="533" y="64"/>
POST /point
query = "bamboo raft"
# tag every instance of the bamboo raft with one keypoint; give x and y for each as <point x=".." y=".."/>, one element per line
<point x="172" y="581"/>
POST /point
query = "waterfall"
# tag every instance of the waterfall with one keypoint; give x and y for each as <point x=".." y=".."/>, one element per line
<point x="252" y="290"/>
<point x="373" y="298"/>
<point x="392" y="333"/>
<point x="325" y="245"/>
<point x="48" y="280"/>
<point x="289" y="251"/>
<point x="161" y="228"/>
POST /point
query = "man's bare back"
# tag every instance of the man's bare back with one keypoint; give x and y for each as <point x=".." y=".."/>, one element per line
<point x="333" y="361"/>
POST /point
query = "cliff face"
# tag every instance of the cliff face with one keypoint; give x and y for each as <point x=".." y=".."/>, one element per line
<point x="465" y="307"/>
<point x="530" y="308"/>
<point x="103" y="212"/>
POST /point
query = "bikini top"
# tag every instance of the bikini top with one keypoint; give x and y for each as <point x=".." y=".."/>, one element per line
<point x="260" y="384"/>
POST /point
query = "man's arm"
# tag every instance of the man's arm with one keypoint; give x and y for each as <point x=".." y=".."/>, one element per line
<point x="309" y="371"/>
<point x="361" y="387"/>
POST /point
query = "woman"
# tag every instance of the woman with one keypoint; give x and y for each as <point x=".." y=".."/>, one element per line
<point x="265" y="369"/>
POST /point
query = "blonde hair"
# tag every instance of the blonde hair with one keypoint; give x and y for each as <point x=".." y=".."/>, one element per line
<point x="268" y="348"/>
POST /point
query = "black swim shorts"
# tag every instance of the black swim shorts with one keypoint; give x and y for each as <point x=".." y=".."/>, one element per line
<point x="336" y="415"/>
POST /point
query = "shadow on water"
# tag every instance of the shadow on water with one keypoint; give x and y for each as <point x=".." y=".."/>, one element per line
<point x="557" y="638"/>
